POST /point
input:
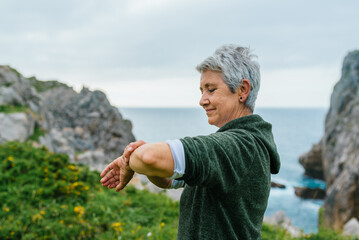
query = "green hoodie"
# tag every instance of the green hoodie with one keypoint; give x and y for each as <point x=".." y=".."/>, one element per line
<point x="227" y="178"/>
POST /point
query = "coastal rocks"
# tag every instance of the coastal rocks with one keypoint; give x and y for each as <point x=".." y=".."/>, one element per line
<point x="56" y="142"/>
<point x="352" y="227"/>
<point x="312" y="162"/>
<point x="339" y="148"/>
<point x="277" y="185"/>
<point x="88" y="121"/>
<point x="95" y="159"/>
<point x="83" y="125"/>
<point x="279" y="219"/>
<point x="17" y="90"/>
<point x="16" y="126"/>
<point x="309" y="193"/>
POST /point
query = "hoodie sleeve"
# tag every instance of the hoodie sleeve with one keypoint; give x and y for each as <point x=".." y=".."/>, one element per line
<point x="222" y="158"/>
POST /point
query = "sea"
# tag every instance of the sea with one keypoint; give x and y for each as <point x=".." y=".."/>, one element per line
<point x="295" y="131"/>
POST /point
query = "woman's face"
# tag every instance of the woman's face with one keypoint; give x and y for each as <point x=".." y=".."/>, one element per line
<point x="220" y="103"/>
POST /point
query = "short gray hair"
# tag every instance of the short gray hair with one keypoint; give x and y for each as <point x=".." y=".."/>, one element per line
<point x="235" y="63"/>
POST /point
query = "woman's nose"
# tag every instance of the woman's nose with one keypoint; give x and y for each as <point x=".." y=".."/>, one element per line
<point x="204" y="100"/>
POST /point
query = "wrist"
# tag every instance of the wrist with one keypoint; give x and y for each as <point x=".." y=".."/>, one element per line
<point x="128" y="168"/>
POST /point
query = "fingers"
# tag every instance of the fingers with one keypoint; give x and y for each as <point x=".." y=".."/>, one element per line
<point x="111" y="166"/>
<point x="106" y="170"/>
<point x="113" y="185"/>
<point x="109" y="179"/>
<point x="132" y="147"/>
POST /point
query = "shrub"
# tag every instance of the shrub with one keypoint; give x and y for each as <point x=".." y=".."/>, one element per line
<point x="13" y="108"/>
<point x="44" y="196"/>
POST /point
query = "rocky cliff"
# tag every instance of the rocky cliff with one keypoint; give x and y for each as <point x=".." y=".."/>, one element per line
<point x="336" y="157"/>
<point x="83" y="125"/>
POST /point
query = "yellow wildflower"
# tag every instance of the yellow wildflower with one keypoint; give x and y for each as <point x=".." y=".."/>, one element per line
<point x="79" y="210"/>
<point x="42" y="212"/>
<point x="72" y="167"/>
<point x="36" y="217"/>
<point x="61" y="221"/>
<point x="10" y="158"/>
<point x="117" y="227"/>
<point x="162" y="225"/>
<point x="6" y="209"/>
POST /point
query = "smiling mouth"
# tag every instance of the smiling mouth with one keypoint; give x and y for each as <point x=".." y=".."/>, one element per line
<point x="209" y="110"/>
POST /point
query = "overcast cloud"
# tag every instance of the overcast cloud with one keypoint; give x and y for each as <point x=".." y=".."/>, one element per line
<point x="143" y="52"/>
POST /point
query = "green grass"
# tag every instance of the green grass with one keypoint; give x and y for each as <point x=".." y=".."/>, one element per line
<point x="38" y="132"/>
<point x="43" y="196"/>
<point x="42" y="86"/>
<point x="13" y="108"/>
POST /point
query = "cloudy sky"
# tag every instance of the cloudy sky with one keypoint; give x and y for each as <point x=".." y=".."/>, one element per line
<point x="144" y="52"/>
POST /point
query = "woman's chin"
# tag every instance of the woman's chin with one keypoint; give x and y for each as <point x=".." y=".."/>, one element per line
<point x="211" y="122"/>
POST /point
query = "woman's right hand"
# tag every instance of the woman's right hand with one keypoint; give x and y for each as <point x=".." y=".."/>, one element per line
<point x="130" y="148"/>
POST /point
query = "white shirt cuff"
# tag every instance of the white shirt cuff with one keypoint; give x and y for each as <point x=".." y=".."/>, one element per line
<point x="177" y="184"/>
<point x="178" y="157"/>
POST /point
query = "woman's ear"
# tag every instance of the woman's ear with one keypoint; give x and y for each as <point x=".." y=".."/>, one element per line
<point x="243" y="90"/>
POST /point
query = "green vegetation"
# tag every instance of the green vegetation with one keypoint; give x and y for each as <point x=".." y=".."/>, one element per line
<point x="43" y="196"/>
<point x="42" y="86"/>
<point x="38" y="131"/>
<point x="15" y="71"/>
<point x="13" y="108"/>
<point x="270" y="232"/>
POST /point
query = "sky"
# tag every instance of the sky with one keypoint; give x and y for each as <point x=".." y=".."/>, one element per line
<point x="143" y="53"/>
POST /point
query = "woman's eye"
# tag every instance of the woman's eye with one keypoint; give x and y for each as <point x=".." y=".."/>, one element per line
<point x="212" y="90"/>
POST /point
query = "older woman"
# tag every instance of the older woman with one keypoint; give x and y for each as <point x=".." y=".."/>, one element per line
<point x="226" y="175"/>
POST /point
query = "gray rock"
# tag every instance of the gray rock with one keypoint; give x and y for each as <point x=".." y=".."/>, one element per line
<point x="339" y="148"/>
<point x="279" y="219"/>
<point x="74" y="122"/>
<point x="96" y="124"/>
<point x="277" y="185"/>
<point x="8" y="96"/>
<point x="7" y="76"/>
<point x="352" y="227"/>
<point x="56" y="142"/>
<point x="94" y="159"/>
<point x="16" y="126"/>
<point x="312" y="162"/>
<point x="309" y="193"/>
<point x="15" y="89"/>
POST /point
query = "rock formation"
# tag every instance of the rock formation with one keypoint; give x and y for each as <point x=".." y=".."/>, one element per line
<point x="309" y="193"/>
<point x="83" y="125"/>
<point x="338" y="150"/>
<point x="279" y="219"/>
<point x="277" y="185"/>
<point x="312" y="162"/>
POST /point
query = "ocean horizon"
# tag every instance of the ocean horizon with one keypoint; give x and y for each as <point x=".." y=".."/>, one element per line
<point x="295" y="130"/>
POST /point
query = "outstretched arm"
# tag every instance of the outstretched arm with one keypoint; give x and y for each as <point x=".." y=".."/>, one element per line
<point x="150" y="159"/>
<point x="153" y="159"/>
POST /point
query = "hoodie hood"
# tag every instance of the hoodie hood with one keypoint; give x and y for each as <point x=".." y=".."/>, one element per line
<point x="262" y="131"/>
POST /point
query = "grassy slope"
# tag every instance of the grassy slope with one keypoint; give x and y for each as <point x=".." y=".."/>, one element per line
<point x="43" y="196"/>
